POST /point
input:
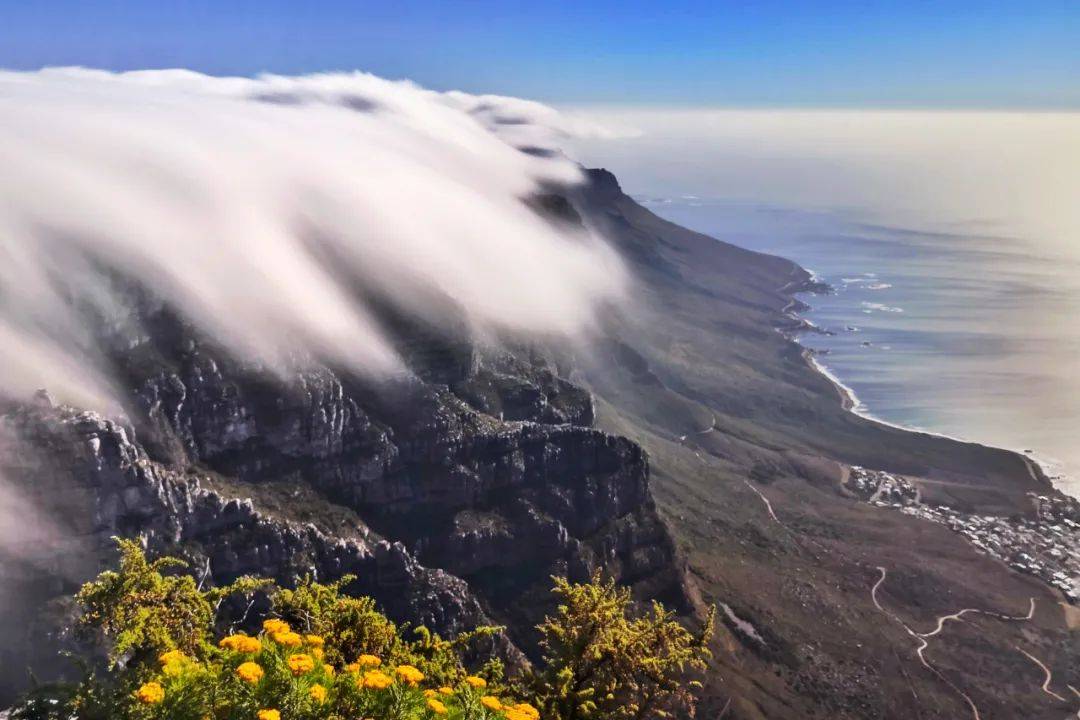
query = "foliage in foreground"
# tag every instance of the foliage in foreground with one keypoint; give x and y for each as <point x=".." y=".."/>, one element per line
<point x="323" y="655"/>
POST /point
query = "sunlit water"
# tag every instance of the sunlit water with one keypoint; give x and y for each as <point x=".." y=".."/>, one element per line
<point x="963" y="333"/>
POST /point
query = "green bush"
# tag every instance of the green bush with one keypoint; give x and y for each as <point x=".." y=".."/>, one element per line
<point x="601" y="661"/>
<point x="323" y="655"/>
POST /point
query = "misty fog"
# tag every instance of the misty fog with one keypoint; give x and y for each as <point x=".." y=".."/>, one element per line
<point x="259" y="207"/>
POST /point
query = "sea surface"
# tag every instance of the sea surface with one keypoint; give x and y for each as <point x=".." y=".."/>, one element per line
<point x="964" y="332"/>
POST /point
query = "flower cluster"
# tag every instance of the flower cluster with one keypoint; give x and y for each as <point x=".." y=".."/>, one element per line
<point x="409" y="674"/>
<point x="301" y="664"/>
<point x="250" y="672"/>
<point x="346" y="660"/>
<point x="375" y="680"/>
<point x="150" y="694"/>
<point x="243" y="644"/>
<point x="282" y="675"/>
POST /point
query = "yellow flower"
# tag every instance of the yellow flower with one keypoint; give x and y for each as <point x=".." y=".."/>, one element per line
<point x="409" y="674"/>
<point x="446" y="690"/>
<point x="287" y="638"/>
<point x="273" y="625"/>
<point x="430" y="693"/>
<point x="521" y="711"/>
<point x="172" y="662"/>
<point x="377" y="680"/>
<point x="150" y="694"/>
<point x="317" y="693"/>
<point x="436" y="707"/>
<point x="491" y="703"/>
<point x="528" y="710"/>
<point x="241" y="644"/>
<point x="329" y="670"/>
<point x="300" y="664"/>
<point x="250" y="672"/>
<point x="173" y="656"/>
<point x="368" y="661"/>
<point x="476" y="682"/>
<point x="314" y="640"/>
<point x="352" y="667"/>
<point x="268" y="715"/>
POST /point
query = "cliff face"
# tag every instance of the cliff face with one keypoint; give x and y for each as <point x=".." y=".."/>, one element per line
<point x="453" y="495"/>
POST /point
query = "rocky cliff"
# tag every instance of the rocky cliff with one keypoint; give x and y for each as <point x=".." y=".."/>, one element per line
<point x="453" y="493"/>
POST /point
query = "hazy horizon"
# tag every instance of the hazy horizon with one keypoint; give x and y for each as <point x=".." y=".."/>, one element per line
<point x="952" y="238"/>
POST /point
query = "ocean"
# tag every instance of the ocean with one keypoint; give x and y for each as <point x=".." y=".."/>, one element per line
<point x="967" y="334"/>
<point x="952" y="239"/>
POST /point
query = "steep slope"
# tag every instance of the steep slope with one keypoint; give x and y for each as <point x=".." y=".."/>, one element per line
<point x="749" y="447"/>
<point x="454" y="493"/>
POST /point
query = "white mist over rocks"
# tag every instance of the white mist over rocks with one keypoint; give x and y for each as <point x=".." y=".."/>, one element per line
<point x="258" y="207"/>
<point x="26" y="533"/>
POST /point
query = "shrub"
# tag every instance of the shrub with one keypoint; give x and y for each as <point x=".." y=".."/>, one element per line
<point x="602" y="661"/>
<point x="353" y="628"/>
<point x="323" y="655"/>
<point x="145" y="613"/>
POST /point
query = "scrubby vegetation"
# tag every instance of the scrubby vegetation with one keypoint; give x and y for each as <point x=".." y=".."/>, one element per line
<point x="323" y="655"/>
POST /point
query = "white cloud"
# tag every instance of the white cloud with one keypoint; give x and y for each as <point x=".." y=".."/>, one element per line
<point x="227" y="196"/>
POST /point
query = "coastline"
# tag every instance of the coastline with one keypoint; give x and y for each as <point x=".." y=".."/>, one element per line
<point x="718" y="335"/>
<point x="1042" y="469"/>
<point x="1044" y="547"/>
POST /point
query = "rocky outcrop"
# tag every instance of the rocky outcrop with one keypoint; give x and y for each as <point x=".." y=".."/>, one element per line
<point x="453" y="494"/>
<point x="96" y="483"/>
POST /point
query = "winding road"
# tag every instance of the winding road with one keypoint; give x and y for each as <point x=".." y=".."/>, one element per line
<point x="922" y="638"/>
<point x="957" y="615"/>
<point x="1049" y="675"/>
<point x="924" y="642"/>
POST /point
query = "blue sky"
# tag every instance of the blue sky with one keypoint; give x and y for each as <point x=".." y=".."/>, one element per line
<point x="751" y="53"/>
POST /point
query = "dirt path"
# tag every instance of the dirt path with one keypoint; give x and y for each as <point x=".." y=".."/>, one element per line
<point x="923" y="643"/>
<point x="923" y="638"/>
<point x="1049" y="675"/>
<point x="958" y="615"/>
<point x="768" y="505"/>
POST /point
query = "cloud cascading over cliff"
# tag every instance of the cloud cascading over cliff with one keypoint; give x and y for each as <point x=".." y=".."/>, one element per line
<point x="265" y="209"/>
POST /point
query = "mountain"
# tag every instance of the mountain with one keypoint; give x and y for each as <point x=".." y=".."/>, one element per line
<point x="752" y="450"/>
<point x="691" y="451"/>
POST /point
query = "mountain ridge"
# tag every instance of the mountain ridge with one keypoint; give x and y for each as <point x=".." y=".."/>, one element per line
<point x="454" y="493"/>
<point x="752" y="449"/>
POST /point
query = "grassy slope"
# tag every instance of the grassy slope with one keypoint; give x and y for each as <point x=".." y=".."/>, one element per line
<point x="700" y="350"/>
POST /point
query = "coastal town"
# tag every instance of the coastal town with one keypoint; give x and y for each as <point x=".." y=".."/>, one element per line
<point x="1046" y="545"/>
